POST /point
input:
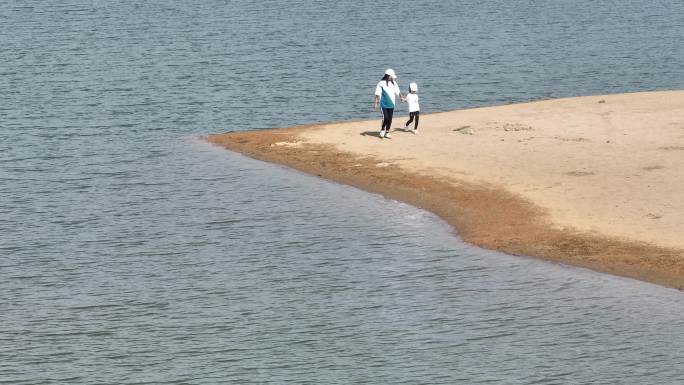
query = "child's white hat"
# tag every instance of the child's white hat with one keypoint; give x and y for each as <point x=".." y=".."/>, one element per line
<point x="413" y="87"/>
<point x="391" y="73"/>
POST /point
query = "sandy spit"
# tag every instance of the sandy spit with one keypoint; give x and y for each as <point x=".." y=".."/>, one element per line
<point x="595" y="181"/>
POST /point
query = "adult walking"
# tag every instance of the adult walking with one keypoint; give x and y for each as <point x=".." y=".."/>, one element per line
<point x="385" y="93"/>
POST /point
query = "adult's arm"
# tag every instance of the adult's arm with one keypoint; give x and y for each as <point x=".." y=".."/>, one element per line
<point x="378" y="92"/>
<point x="401" y="96"/>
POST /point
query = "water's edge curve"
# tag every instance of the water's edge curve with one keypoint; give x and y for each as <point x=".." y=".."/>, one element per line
<point x="486" y="216"/>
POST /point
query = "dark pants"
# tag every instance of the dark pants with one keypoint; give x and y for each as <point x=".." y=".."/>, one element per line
<point x="412" y="115"/>
<point x="387" y="118"/>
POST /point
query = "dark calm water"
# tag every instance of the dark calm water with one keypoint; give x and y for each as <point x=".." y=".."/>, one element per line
<point x="132" y="252"/>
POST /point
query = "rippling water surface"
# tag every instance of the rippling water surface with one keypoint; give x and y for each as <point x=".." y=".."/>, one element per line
<point x="132" y="252"/>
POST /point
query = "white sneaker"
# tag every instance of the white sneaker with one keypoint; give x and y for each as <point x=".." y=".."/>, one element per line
<point x="382" y="133"/>
<point x="388" y="136"/>
<point x="414" y="131"/>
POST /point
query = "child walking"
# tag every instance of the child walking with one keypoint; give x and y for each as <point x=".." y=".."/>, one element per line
<point x="414" y="108"/>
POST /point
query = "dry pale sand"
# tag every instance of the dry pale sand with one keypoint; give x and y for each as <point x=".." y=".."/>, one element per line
<point x="592" y="181"/>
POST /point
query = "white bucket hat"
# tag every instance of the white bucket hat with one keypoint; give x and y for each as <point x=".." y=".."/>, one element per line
<point x="391" y="73"/>
<point x="413" y="87"/>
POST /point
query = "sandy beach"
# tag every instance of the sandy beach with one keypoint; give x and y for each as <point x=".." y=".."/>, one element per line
<point x="593" y="181"/>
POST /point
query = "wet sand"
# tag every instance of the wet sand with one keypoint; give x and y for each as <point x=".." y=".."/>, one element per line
<point x="596" y="181"/>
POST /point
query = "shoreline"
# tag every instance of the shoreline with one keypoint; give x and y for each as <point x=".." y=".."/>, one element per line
<point x="481" y="195"/>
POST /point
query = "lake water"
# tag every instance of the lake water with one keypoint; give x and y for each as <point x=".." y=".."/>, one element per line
<point x="133" y="252"/>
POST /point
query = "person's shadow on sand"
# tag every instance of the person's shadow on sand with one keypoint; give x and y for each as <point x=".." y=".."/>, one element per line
<point x="371" y="133"/>
<point x="377" y="133"/>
